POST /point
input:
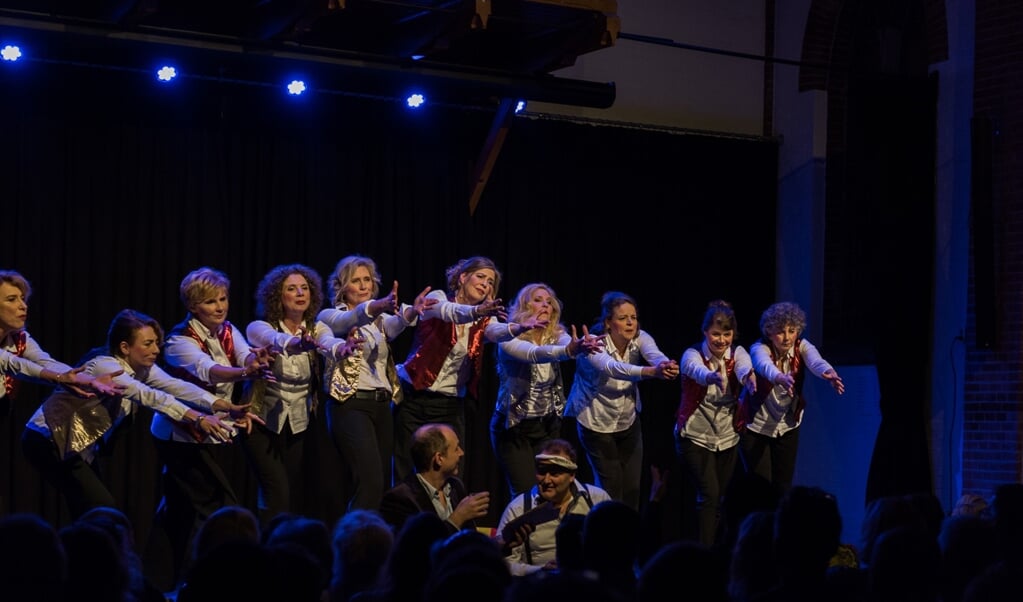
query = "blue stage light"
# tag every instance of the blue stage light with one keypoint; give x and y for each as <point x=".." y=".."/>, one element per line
<point x="166" y="73"/>
<point x="10" y="53"/>
<point x="520" y="106"/>
<point x="296" y="87"/>
<point x="415" y="100"/>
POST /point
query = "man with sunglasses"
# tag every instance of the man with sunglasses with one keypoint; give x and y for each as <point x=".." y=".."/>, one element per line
<point x="540" y="510"/>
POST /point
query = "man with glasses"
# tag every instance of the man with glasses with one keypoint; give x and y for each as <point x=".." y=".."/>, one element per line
<point x="541" y="510"/>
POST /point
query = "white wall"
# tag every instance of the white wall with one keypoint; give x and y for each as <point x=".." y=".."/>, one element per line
<point x="674" y="87"/>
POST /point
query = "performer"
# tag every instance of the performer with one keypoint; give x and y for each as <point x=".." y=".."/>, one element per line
<point x="714" y="371"/>
<point x="22" y="357"/>
<point x="61" y="438"/>
<point x="770" y="417"/>
<point x="205" y="348"/>
<point x="288" y="299"/>
<point x="446" y="358"/>
<point x="605" y="397"/>
<point x="531" y="396"/>
<point x="363" y="386"/>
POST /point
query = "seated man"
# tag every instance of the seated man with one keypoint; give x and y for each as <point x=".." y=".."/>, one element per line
<point x="555" y="485"/>
<point x="434" y="486"/>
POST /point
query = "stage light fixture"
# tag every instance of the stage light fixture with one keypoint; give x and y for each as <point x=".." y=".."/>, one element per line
<point x="10" y="53"/>
<point x="520" y="106"/>
<point x="166" y="73"/>
<point x="296" y="87"/>
<point x="415" y="100"/>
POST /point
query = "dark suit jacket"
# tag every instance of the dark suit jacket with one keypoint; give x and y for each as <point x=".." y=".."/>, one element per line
<point x="409" y="497"/>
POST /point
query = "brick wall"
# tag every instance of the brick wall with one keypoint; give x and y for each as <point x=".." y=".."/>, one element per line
<point x="992" y="417"/>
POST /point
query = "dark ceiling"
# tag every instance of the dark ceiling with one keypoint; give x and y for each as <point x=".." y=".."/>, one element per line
<point x="471" y="51"/>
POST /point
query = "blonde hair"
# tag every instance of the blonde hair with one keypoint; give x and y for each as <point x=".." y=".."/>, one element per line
<point x="343" y="274"/>
<point x="520" y="310"/>
<point x="201" y="284"/>
<point x="17" y="280"/>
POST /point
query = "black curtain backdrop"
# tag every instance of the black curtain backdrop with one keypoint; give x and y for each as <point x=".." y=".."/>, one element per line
<point x="114" y="187"/>
<point x="881" y="185"/>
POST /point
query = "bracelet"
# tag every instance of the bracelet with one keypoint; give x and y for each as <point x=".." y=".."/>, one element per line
<point x="61" y="380"/>
<point x="199" y="419"/>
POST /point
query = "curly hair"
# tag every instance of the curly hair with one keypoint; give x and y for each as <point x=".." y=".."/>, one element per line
<point x="343" y="274"/>
<point x="778" y="316"/>
<point x="520" y="310"/>
<point x="201" y="284"/>
<point x="608" y="304"/>
<point x="18" y="281"/>
<point x="720" y="314"/>
<point x="468" y="265"/>
<point x="270" y="292"/>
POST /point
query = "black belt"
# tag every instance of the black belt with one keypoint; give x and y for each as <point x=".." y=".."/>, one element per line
<point x="373" y="395"/>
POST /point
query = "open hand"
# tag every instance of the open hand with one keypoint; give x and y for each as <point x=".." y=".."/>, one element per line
<point x="588" y="344"/>
<point x="353" y="342"/>
<point x="492" y="307"/>
<point x="106" y="385"/>
<point x="422" y="303"/>
<point x="303" y="341"/>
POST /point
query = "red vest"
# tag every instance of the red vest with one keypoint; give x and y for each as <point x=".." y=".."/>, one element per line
<point x="749" y="405"/>
<point x="431" y="343"/>
<point x="693" y="392"/>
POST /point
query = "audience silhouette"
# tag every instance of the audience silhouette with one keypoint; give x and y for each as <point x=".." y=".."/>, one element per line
<point x="362" y="541"/>
<point x="912" y="551"/>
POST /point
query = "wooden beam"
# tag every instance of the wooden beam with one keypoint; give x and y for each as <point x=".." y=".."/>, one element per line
<point x="604" y="6"/>
<point x="491" y="148"/>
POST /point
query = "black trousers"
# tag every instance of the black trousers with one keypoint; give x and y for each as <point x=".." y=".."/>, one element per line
<point x="78" y="481"/>
<point x="773" y="458"/>
<point x="277" y="461"/>
<point x="194" y="486"/>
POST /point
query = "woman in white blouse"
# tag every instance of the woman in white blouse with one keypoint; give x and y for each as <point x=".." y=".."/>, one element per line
<point x="288" y="299"/>
<point x="605" y="397"/>
<point x="531" y="395"/>
<point x="363" y="386"/>
<point x="61" y="438"/>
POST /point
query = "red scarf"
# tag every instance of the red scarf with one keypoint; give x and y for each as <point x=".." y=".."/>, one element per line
<point x="10" y="383"/>
<point x="226" y="339"/>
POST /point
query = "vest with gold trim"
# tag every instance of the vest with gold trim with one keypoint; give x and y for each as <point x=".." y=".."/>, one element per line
<point x="343" y="379"/>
